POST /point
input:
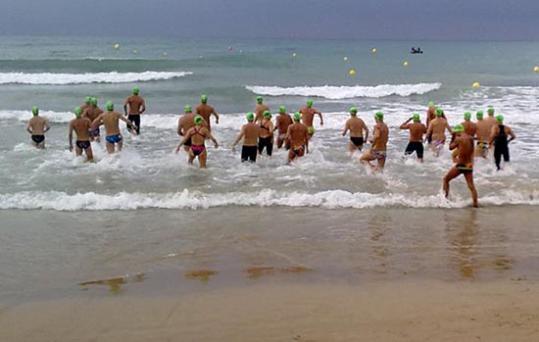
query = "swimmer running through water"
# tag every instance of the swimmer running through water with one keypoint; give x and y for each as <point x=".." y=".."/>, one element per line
<point x="91" y="113"/>
<point x="356" y="126"/>
<point x="470" y="128"/>
<point x="110" y="119"/>
<point x="185" y="123"/>
<point x="197" y="135"/>
<point x="37" y="127"/>
<point x="482" y="135"/>
<point x="265" y="138"/>
<point x="464" y="165"/>
<point x="417" y="130"/>
<point x="297" y="138"/>
<point x="134" y="107"/>
<point x="307" y="117"/>
<point x="282" y="122"/>
<point x="498" y="139"/>
<point x="431" y="115"/>
<point x="249" y="133"/>
<point x="206" y="111"/>
<point x="378" y="144"/>
<point x="436" y="130"/>
<point x="260" y="109"/>
<point x="82" y="126"/>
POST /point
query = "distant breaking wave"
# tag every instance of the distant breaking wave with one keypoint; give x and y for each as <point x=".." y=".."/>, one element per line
<point x="348" y="92"/>
<point x="86" y="78"/>
<point x="333" y="199"/>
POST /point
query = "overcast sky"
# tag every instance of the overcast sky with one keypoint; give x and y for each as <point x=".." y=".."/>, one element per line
<point x="360" y="19"/>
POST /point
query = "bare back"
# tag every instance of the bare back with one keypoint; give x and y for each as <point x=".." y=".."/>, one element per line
<point x="205" y="111"/>
<point x="417" y="130"/>
<point x="298" y="134"/>
<point x="470" y="128"/>
<point x="135" y="103"/>
<point x="186" y="122"/>
<point x="282" y="122"/>
<point x="38" y="125"/>
<point x="437" y="128"/>
<point x="491" y="121"/>
<point x="110" y="121"/>
<point x="465" y="148"/>
<point x="81" y="126"/>
<point x="356" y="127"/>
<point x="259" y="111"/>
<point x="198" y="134"/>
<point x="250" y="134"/>
<point x="266" y="128"/>
<point x="483" y="130"/>
<point x="381" y="136"/>
<point x="307" y="116"/>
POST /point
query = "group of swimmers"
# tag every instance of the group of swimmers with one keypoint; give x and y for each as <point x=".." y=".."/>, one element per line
<point x="293" y="132"/>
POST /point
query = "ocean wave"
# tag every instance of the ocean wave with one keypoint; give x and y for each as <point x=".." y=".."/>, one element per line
<point x="333" y="199"/>
<point x="348" y="92"/>
<point x="86" y="78"/>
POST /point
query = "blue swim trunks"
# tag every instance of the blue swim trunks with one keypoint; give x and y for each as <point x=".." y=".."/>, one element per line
<point x="113" y="139"/>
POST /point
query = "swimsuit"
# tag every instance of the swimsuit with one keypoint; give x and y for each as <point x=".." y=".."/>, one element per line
<point x="501" y="147"/>
<point x="248" y="153"/>
<point x="415" y="146"/>
<point x="83" y="145"/>
<point x="465" y="168"/>
<point x="135" y="119"/>
<point x="357" y="141"/>
<point x="378" y="154"/>
<point x="114" y="139"/>
<point x="95" y="132"/>
<point x="265" y="143"/>
<point x="299" y="151"/>
<point x="38" y="138"/>
<point x="188" y="143"/>
<point x="482" y="145"/>
<point x="198" y="149"/>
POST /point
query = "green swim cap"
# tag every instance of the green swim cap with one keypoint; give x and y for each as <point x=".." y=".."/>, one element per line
<point x="109" y="106"/>
<point x="479" y="115"/>
<point x="136" y="90"/>
<point x="203" y="98"/>
<point x="267" y="114"/>
<point x="88" y="100"/>
<point x="439" y="112"/>
<point x="467" y="116"/>
<point x="282" y="109"/>
<point x="431" y="104"/>
<point x="353" y="110"/>
<point x="490" y="111"/>
<point x="35" y="110"/>
<point x="379" y="116"/>
<point x="310" y="103"/>
<point x="259" y="99"/>
<point x="416" y="117"/>
<point x="297" y="116"/>
<point x="458" y="129"/>
<point x="198" y="120"/>
<point x="250" y="117"/>
<point x="499" y="118"/>
<point x="188" y="109"/>
<point x="77" y="111"/>
<point x="93" y="101"/>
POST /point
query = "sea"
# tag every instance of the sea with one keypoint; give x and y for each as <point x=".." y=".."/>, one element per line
<point x="53" y="204"/>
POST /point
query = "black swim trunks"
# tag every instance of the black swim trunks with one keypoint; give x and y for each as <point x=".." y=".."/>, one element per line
<point x="38" y="138"/>
<point x="265" y="143"/>
<point x="248" y="153"/>
<point x="83" y="145"/>
<point x="188" y="143"/>
<point x="357" y="141"/>
<point x="135" y="119"/>
<point x="464" y="168"/>
<point x="415" y="146"/>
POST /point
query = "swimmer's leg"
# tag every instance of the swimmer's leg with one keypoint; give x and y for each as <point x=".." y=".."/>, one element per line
<point x="452" y="174"/>
<point x="471" y="186"/>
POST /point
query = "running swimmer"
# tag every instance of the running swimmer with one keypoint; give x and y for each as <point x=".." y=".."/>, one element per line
<point x="260" y="109"/>
<point x="282" y="122"/>
<point x="436" y="130"/>
<point x="356" y="126"/>
<point x="249" y="133"/>
<point x="417" y="131"/>
<point x="206" y="111"/>
<point x="379" y="144"/>
<point x="297" y="138"/>
<point x="265" y="138"/>
<point x="81" y="125"/>
<point x="110" y="120"/>
<point x="185" y="123"/>
<point x="37" y="127"/>
<point x="134" y="106"/>
<point x="307" y="117"/>
<point x="491" y="120"/>
<point x="91" y="113"/>
<point x="498" y="138"/>
<point x="197" y="135"/>
<point x="482" y="135"/>
<point x="464" y="165"/>
<point x="86" y="104"/>
<point x="431" y="115"/>
<point x="470" y="128"/>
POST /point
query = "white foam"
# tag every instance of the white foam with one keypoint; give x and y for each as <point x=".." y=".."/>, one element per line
<point x="101" y="77"/>
<point x="348" y="92"/>
<point x="334" y="199"/>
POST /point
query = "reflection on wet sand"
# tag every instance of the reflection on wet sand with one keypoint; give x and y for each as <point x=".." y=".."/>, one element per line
<point x="202" y="275"/>
<point x="378" y="226"/>
<point x="115" y="284"/>
<point x="255" y="272"/>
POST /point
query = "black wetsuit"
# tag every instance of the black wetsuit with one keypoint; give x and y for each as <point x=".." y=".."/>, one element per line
<point x="501" y="147"/>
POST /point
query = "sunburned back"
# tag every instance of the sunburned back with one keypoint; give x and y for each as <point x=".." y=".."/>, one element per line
<point x="205" y="111"/>
<point x="417" y="129"/>
<point x="380" y="142"/>
<point x="491" y="121"/>
<point x="92" y="113"/>
<point x="465" y="149"/>
<point x="470" y="128"/>
<point x="439" y="126"/>
<point x="251" y="132"/>
<point x="135" y="103"/>
<point x="37" y="125"/>
<point x="259" y="111"/>
<point x="198" y="135"/>
<point x="298" y="135"/>
<point x="283" y="121"/>
<point x="483" y="130"/>
<point x="307" y="116"/>
<point x="110" y="121"/>
<point x="187" y="121"/>
<point x="82" y="128"/>
<point x="266" y="128"/>
<point x="355" y="125"/>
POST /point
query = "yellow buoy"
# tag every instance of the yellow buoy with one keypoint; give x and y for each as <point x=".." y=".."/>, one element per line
<point x="536" y="68"/>
<point x="345" y="58"/>
<point x="116" y="46"/>
<point x="476" y="85"/>
<point x="405" y="63"/>
<point x="352" y="72"/>
<point x="374" y="50"/>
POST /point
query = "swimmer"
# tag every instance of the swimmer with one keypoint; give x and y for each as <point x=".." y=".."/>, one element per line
<point x="185" y="123"/>
<point x="81" y="125"/>
<point x="470" y="127"/>
<point x="491" y="120"/>
<point x="37" y="127"/>
<point x="282" y="122"/>
<point x="482" y="134"/>
<point x="87" y="103"/>
<point x="249" y="133"/>
<point x="356" y="126"/>
<point x="379" y="144"/>
<point x="417" y="130"/>
<point x="196" y="136"/>
<point x="498" y="139"/>
<point x="265" y="137"/>
<point x="134" y="106"/>
<point x="307" y="117"/>
<point x="464" y="165"/>
<point x="436" y="130"/>
<point x="206" y="111"/>
<point x="91" y="113"/>
<point x="260" y="109"/>
<point x="431" y="115"/>
<point x="297" y="137"/>
<point x="110" y="119"/>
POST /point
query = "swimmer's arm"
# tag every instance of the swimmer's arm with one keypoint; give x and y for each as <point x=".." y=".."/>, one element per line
<point x="321" y="118"/>
<point x="376" y="135"/>
<point x="212" y="138"/>
<point x="512" y="135"/>
<point x="454" y="143"/>
<point x="214" y="113"/>
<point x="98" y="121"/>
<point x="121" y="117"/>
<point x="47" y="126"/>
<point x="429" y="129"/>
<point x="126" y="103"/>
<point x="29" y="128"/>
<point x="180" y="133"/>
<point x="405" y="124"/>
<point x="306" y="142"/>
<point x="448" y="127"/>
<point x="143" y="107"/>
<point x="493" y="134"/>
<point x="184" y="140"/>
<point x="70" y="136"/>
<point x="345" y="130"/>
<point x="366" y="131"/>
<point x="240" y="136"/>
